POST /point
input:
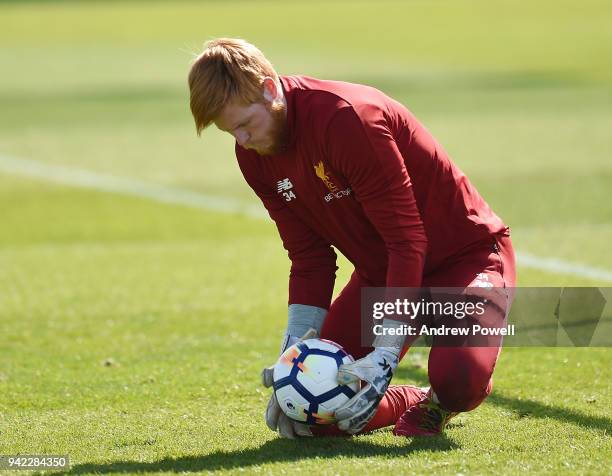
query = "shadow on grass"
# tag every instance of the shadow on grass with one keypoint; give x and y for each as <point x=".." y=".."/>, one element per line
<point x="534" y="409"/>
<point x="274" y="451"/>
<point x="286" y="451"/>
<point x="521" y="407"/>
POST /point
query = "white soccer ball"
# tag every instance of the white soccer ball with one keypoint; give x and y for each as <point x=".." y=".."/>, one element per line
<point x="305" y="381"/>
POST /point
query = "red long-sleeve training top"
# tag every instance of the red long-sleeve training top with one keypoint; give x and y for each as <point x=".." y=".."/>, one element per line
<point x="362" y="174"/>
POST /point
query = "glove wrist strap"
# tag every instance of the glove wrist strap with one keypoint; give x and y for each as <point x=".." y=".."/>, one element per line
<point x="391" y="338"/>
<point x="301" y="318"/>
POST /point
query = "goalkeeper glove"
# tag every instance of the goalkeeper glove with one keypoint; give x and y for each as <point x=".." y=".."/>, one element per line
<point x="376" y="369"/>
<point x="275" y="418"/>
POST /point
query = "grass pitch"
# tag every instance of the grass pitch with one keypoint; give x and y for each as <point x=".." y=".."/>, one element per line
<point x="133" y="332"/>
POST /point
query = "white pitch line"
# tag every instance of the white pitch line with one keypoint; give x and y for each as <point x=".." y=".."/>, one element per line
<point x="113" y="184"/>
<point x="556" y="265"/>
<point x="109" y="183"/>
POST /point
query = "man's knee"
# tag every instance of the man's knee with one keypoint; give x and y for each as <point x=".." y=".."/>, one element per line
<point x="461" y="377"/>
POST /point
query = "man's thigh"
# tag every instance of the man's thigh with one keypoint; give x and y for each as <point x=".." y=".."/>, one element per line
<point x="461" y="376"/>
<point x="494" y="259"/>
<point x="490" y="262"/>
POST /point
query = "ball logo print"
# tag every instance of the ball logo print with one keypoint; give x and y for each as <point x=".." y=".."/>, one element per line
<point x="305" y="381"/>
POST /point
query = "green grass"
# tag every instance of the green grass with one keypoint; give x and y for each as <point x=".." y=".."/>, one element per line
<point x="133" y="332"/>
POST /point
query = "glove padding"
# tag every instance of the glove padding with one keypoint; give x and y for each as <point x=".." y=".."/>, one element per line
<point x="376" y="369"/>
<point x="275" y="418"/>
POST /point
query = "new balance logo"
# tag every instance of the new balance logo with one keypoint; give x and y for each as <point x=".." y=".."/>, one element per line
<point x="284" y="187"/>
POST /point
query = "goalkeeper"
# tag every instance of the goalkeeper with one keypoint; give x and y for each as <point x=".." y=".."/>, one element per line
<point x="342" y="165"/>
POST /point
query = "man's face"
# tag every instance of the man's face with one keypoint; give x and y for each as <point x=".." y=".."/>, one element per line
<point x="261" y="127"/>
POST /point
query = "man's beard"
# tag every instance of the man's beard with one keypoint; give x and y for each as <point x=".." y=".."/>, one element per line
<point x="279" y="133"/>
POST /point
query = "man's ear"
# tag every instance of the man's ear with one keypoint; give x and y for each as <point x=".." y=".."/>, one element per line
<point x="269" y="89"/>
